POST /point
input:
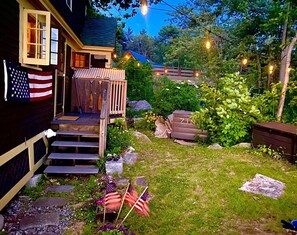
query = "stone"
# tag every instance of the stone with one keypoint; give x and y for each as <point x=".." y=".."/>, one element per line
<point x="183" y="142"/>
<point x="50" y="202"/>
<point x="60" y="188"/>
<point x="162" y="130"/>
<point x="34" y="181"/>
<point x="130" y="149"/>
<point x="39" y="220"/>
<point x="142" y="136"/>
<point x="140" y="180"/>
<point x="142" y="105"/>
<point x="121" y="181"/>
<point x="113" y="167"/>
<point x="215" y="146"/>
<point x="130" y="158"/>
<point x="243" y="145"/>
<point x="1" y="222"/>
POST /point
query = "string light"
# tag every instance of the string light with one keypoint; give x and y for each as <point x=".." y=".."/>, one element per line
<point x="207" y="44"/>
<point x="166" y="70"/>
<point x="144" y="7"/>
<point x="115" y="56"/>
<point x="271" y="68"/>
<point x="197" y="74"/>
<point x="138" y="64"/>
<point x="244" y="61"/>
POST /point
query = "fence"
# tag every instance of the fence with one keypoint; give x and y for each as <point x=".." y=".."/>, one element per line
<point x="19" y="164"/>
<point x="176" y="71"/>
<point x="118" y="93"/>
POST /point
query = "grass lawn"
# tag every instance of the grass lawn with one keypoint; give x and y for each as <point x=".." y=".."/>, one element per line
<point x="195" y="191"/>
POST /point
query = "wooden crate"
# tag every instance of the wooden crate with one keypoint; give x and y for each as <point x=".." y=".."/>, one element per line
<point x="184" y="128"/>
<point x="275" y="135"/>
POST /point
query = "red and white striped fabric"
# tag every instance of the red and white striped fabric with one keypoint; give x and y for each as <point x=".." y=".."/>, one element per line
<point x="112" y="201"/>
<point x="41" y="84"/>
<point x="131" y="196"/>
<point x="142" y="205"/>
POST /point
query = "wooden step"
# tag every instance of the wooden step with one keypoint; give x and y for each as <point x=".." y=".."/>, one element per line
<point x="75" y="144"/>
<point x="71" y="170"/>
<point x="73" y="156"/>
<point x="91" y="134"/>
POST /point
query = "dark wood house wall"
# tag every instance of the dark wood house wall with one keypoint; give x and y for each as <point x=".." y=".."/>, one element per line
<point x="19" y="121"/>
<point x="75" y="18"/>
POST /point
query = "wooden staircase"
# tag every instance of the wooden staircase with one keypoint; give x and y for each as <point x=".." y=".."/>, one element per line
<point x="75" y="150"/>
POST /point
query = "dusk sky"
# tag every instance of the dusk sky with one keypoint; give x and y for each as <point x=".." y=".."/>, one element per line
<point x="153" y="21"/>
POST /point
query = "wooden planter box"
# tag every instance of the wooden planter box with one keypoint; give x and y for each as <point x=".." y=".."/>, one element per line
<point x="275" y="135"/>
<point x="183" y="127"/>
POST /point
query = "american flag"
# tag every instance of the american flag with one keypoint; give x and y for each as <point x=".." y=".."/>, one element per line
<point x="112" y="199"/>
<point x="40" y="85"/>
<point x="142" y="205"/>
<point x="21" y="86"/>
<point x="131" y="196"/>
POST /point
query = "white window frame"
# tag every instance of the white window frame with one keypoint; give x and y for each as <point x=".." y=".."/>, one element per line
<point x="69" y="4"/>
<point x="52" y="52"/>
<point x="46" y="41"/>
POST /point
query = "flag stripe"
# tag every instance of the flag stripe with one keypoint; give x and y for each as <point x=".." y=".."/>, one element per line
<point x="40" y="84"/>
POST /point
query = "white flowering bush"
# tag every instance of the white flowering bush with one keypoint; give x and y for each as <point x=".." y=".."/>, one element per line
<point x="171" y="96"/>
<point x="228" y="112"/>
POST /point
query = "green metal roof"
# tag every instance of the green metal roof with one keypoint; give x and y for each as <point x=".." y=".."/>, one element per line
<point x="99" y="32"/>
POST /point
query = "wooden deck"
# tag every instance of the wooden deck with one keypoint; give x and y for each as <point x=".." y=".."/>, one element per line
<point x="83" y="119"/>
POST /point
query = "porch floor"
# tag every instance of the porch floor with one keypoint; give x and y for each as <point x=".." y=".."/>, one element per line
<point x="83" y="119"/>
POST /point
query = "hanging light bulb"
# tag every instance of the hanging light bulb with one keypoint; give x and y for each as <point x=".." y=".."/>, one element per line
<point x="138" y="64"/>
<point x="115" y="56"/>
<point x="197" y="74"/>
<point x="144" y="7"/>
<point x="207" y="44"/>
<point x="244" y="61"/>
<point x="271" y="67"/>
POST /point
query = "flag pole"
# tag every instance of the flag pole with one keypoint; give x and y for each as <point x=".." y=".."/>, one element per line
<point x="104" y="212"/>
<point x="132" y="207"/>
<point x="122" y="204"/>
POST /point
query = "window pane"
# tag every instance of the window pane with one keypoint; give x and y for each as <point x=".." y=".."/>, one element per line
<point x="31" y="50"/>
<point x="54" y="46"/>
<point x="54" y="58"/>
<point x="31" y="20"/>
<point x="54" y="34"/>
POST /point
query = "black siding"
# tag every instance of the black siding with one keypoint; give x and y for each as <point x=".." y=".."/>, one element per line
<point x="18" y="121"/>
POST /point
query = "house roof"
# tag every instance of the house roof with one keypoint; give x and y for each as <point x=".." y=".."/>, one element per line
<point x="100" y="73"/>
<point x="142" y="59"/>
<point x="99" y="32"/>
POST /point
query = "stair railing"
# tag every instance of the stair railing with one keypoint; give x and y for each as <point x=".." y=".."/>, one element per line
<point x="118" y="97"/>
<point x="104" y="116"/>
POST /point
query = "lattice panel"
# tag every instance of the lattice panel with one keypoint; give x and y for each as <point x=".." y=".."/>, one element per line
<point x="39" y="150"/>
<point x="13" y="171"/>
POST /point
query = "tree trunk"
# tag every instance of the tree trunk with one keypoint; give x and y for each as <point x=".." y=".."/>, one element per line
<point x="284" y="53"/>
<point x="286" y="78"/>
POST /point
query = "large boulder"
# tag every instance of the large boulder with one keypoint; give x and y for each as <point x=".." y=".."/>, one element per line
<point x="141" y="105"/>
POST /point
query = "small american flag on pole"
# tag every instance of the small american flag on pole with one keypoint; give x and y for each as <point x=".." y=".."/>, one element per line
<point x="141" y="205"/>
<point x="112" y="199"/>
<point x="131" y="196"/>
<point x="23" y="86"/>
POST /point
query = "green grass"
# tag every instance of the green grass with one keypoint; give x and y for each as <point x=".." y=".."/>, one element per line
<point x="195" y="191"/>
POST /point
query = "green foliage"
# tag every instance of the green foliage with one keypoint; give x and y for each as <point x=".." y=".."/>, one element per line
<point x="171" y="96"/>
<point x="229" y="111"/>
<point x="275" y="154"/>
<point x="140" y="82"/>
<point x="148" y="121"/>
<point x="118" y="138"/>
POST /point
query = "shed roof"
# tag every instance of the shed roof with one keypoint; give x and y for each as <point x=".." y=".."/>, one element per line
<point x="99" y="32"/>
<point x="100" y="73"/>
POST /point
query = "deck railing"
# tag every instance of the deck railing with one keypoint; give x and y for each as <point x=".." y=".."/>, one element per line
<point x="118" y="93"/>
<point x="175" y="71"/>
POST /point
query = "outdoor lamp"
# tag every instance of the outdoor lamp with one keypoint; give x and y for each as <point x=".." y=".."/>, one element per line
<point x="207" y="44"/>
<point x="244" y="61"/>
<point x="271" y="69"/>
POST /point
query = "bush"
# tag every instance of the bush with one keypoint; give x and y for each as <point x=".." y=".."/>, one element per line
<point x="148" y="121"/>
<point x="140" y="80"/>
<point x="118" y="138"/>
<point x="171" y="96"/>
<point x="229" y="111"/>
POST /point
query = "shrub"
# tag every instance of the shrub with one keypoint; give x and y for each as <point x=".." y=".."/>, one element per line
<point x="171" y="96"/>
<point x="118" y="138"/>
<point x="229" y="111"/>
<point x="140" y="81"/>
<point x="148" y="121"/>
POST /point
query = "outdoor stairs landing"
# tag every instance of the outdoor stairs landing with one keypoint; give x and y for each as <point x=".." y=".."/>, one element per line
<point x="74" y="152"/>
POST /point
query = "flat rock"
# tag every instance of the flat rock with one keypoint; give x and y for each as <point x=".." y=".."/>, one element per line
<point x="141" y="181"/>
<point x="183" y="142"/>
<point x="1" y="222"/>
<point x="60" y="188"/>
<point x="121" y="181"/>
<point x="50" y="202"/>
<point x="130" y="158"/>
<point x="39" y="220"/>
<point x="142" y="105"/>
<point x="215" y="146"/>
<point x="141" y="136"/>
<point x="243" y="145"/>
<point x="34" y="181"/>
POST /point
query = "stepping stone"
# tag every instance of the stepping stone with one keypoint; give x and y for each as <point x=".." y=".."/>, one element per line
<point x="141" y="181"/>
<point x="187" y="143"/>
<point x="122" y="181"/>
<point x="130" y="158"/>
<point x="60" y="188"/>
<point x="50" y="202"/>
<point x="39" y="220"/>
